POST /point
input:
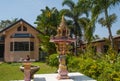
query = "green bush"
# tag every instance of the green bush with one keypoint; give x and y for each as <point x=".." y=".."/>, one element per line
<point x="73" y="63"/>
<point x="104" y="67"/>
<point x="53" y="60"/>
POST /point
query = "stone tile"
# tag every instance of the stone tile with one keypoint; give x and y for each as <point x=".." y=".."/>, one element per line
<point x="53" y="77"/>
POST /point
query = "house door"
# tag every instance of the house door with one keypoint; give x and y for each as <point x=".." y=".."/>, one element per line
<point x="1" y="50"/>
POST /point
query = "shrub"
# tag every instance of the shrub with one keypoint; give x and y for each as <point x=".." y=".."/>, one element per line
<point x="53" y="60"/>
<point x="105" y="67"/>
<point x="73" y="63"/>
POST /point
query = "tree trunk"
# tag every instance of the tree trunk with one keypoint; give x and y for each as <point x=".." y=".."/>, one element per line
<point x="109" y="29"/>
<point x="111" y="37"/>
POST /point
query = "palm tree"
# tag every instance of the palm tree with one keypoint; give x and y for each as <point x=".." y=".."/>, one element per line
<point x="73" y="14"/>
<point x="87" y="28"/>
<point x="80" y="23"/>
<point x="48" y="21"/>
<point x="102" y="6"/>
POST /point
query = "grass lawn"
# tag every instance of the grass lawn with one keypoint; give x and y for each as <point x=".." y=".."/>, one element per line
<point x="12" y="72"/>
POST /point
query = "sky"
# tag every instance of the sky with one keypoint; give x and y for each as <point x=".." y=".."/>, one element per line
<point x="30" y="9"/>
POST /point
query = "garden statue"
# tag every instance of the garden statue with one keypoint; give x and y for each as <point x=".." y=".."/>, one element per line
<point x="62" y="40"/>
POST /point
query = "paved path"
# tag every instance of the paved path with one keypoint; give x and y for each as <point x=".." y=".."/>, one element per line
<point x="1" y="62"/>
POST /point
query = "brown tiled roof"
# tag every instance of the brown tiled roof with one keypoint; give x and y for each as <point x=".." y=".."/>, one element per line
<point x="116" y="36"/>
<point x="101" y="40"/>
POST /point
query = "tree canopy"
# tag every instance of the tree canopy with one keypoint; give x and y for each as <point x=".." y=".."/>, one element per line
<point x="6" y="23"/>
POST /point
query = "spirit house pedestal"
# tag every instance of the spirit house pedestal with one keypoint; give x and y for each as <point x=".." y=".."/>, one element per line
<point x="62" y="41"/>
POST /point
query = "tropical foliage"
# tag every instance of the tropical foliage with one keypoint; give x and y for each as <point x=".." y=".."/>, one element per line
<point x="6" y="23"/>
<point x="118" y="32"/>
<point x="46" y="45"/>
<point x="102" y="67"/>
<point x="81" y="18"/>
<point x="80" y="23"/>
<point x="48" y="21"/>
<point x="102" y="6"/>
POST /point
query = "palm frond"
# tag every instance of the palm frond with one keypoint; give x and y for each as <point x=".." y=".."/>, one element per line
<point x="111" y="19"/>
<point x="84" y="6"/>
<point x="69" y="3"/>
<point x="102" y="21"/>
<point x="67" y="13"/>
<point x="87" y="27"/>
<point x="84" y="21"/>
<point x="115" y="2"/>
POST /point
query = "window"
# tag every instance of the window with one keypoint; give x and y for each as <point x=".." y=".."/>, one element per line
<point x="119" y="45"/>
<point x="24" y="28"/>
<point x="94" y="48"/>
<point x="22" y="35"/>
<point x="22" y="46"/>
<point x="11" y="46"/>
<point x="2" y="38"/>
<point x="19" y="28"/>
<point x="31" y="46"/>
<point x="105" y="48"/>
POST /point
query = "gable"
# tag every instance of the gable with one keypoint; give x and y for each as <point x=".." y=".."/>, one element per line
<point x="19" y="23"/>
